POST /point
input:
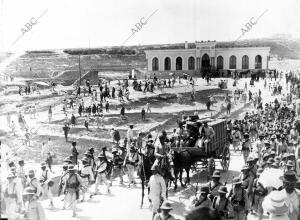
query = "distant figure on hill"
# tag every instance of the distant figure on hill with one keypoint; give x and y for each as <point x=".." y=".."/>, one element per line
<point x="122" y="112"/>
<point x="66" y="130"/>
<point x="107" y="106"/>
<point x="50" y="114"/>
<point x="143" y="113"/>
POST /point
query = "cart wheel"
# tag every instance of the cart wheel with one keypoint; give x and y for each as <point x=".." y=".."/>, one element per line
<point x="211" y="166"/>
<point x="225" y="159"/>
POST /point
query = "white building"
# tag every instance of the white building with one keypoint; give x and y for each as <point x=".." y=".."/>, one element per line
<point x="207" y="56"/>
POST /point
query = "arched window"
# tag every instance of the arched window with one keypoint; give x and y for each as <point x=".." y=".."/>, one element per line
<point x="220" y="63"/>
<point x="155" y="64"/>
<point x="232" y="62"/>
<point x="178" y="63"/>
<point x="191" y="62"/>
<point x="167" y="63"/>
<point x="258" y="64"/>
<point x="245" y="62"/>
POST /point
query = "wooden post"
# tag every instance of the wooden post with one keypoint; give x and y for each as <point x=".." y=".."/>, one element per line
<point x="79" y="71"/>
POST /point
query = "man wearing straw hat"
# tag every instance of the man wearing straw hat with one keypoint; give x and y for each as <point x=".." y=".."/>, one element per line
<point x="276" y="206"/>
<point x="34" y="209"/>
<point x="165" y="208"/>
<point x="290" y="194"/>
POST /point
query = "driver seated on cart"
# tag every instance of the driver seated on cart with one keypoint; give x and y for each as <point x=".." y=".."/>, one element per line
<point x="207" y="133"/>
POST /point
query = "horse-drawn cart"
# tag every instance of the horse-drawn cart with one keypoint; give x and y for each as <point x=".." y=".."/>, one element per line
<point x="217" y="149"/>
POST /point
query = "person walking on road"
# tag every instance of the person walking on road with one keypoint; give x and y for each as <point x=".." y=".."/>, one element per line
<point x="73" y="183"/>
<point x="46" y="183"/>
<point x="148" y="107"/>
<point x="50" y="114"/>
<point x="66" y="130"/>
<point x="143" y="113"/>
<point x="74" y="153"/>
<point x="157" y="189"/>
<point x="34" y="210"/>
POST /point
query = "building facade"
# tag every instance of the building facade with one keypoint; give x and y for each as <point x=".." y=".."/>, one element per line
<point x="207" y="57"/>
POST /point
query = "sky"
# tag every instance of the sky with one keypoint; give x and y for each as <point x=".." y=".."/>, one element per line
<point x="97" y="23"/>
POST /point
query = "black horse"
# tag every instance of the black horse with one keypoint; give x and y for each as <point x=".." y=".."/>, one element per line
<point x="182" y="161"/>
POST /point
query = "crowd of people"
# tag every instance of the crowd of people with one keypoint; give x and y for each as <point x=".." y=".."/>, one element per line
<point x="268" y="139"/>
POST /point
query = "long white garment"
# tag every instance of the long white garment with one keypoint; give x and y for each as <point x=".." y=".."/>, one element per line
<point x="292" y="201"/>
<point x="157" y="192"/>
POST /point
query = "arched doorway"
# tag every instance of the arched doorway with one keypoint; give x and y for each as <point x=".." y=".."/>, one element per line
<point x="258" y="62"/>
<point x="178" y="63"/>
<point x="245" y="62"/>
<point x="155" y="64"/>
<point x="191" y="63"/>
<point x="167" y="63"/>
<point x="205" y="64"/>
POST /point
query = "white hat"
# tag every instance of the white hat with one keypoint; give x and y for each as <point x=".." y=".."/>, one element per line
<point x="275" y="203"/>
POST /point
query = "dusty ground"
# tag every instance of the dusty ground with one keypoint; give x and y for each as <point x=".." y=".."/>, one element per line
<point x="123" y="203"/>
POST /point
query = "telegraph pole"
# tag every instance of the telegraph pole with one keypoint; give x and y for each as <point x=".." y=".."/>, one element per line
<point x="79" y="71"/>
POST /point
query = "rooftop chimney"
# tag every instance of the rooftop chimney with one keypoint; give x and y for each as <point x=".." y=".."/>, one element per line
<point x="186" y="45"/>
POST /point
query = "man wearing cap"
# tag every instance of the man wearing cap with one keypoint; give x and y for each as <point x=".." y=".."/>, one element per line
<point x="74" y="153"/>
<point x="165" y="208"/>
<point x="130" y="162"/>
<point x="34" y="209"/>
<point x="214" y="184"/>
<point x="236" y="138"/>
<point x="33" y="182"/>
<point x="290" y="194"/>
<point x="87" y="176"/>
<point x="239" y="200"/>
<point x="12" y="196"/>
<point x="157" y="189"/>
<point x="102" y="165"/>
<point x="259" y="193"/>
<point x="221" y="203"/>
<point x="73" y="183"/>
<point x="46" y="183"/>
